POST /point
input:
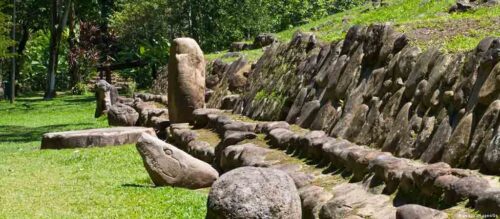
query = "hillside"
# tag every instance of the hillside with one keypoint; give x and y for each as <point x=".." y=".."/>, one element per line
<point x="426" y="22"/>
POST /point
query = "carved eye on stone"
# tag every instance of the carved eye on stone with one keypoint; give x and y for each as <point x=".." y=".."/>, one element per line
<point x="168" y="151"/>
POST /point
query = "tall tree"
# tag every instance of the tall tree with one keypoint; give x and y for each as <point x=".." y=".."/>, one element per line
<point x="58" y="20"/>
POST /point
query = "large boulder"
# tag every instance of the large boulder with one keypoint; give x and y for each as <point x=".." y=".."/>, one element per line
<point x="122" y="115"/>
<point x="94" y="137"/>
<point x="263" y="40"/>
<point x="491" y="158"/>
<point x="419" y="212"/>
<point x="489" y="202"/>
<point x="169" y="166"/>
<point x="244" y="155"/>
<point x="106" y="95"/>
<point x="252" y="192"/>
<point x="186" y="80"/>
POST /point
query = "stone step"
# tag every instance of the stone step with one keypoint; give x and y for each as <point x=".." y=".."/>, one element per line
<point x="94" y="137"/>
<point x="333" y="167"/>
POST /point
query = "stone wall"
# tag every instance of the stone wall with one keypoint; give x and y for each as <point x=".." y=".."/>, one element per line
<point x="375" y="88"/>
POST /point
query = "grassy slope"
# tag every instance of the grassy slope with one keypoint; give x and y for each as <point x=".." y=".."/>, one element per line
<point x="88" y="183"/>
<point x="426" y="22"/>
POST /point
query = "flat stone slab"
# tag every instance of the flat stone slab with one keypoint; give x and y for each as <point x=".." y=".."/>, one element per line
<point x="94" y="137"/>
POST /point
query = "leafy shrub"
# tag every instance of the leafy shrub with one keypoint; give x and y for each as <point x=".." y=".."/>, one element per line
<point x="130" y="89"/>
<point x="79" y="89"/>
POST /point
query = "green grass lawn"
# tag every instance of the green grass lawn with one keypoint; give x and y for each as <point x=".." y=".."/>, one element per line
<point x="87" y="183"/>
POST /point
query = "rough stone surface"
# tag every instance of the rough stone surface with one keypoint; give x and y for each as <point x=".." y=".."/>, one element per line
<point x="263" y="40"/>
<point x="122" y="115"/>
<point x="201" y="116"/>
<point x="186" y="80"/>
<point x="106" y="95"/>
<point x="94" y="137"/>
<point x="250" y="192"/>
<point x="228" y="102"/>
<point x="313" y="198"/>
<point x="419" y="212"/>
<point x="169" y="166"/>
<point x="236" y="156"/>
<point x="492" y="154"/>
<point x="489" y="202"/>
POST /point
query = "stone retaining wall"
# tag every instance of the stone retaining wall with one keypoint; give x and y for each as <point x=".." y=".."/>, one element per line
<point x="375" y="88"/>
<point x="439" y="183"/>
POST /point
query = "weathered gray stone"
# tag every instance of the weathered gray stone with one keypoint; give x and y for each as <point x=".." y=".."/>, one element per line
<point x="483" y="133"/>
<point x="491" y="87"/>
<point x="250" y="192"/>
<point x="440" y="138"/>
<point x="201" y="116"/>
<point x="169" y="166"/>
<point x="455" y="151"/>
<point x="424" y="137"/>
<point x="425" y="63"/>
<point x="122" y="115"/>
<point x="263" y="40"/>
<point x="294" y="112"/>
<point x="349" y="78"/>
<point x="399" y="128"/>
<point x="269" y="126"/>
<point x="236" y="156"/>
<point x="94" y="137"/>
<point x="281" y="138"/>
<point x="308" y="113"/>
<point x="186" y="80"/>
<point x="467" y="188"/>
<point x="228" y="102"/>
<point x="313" y="198"/>
<point x="412" y="211"/>
<point x="106" y="95"/>
<point x="335" y="209"/>
<point x="240" y="126"/>
<point x="489" y="202"/>
<point x="181" y="137"/>
<point x="326" y="116"/>
<point x="201" y="150"/>
<point x="491" y="158"/>
<point x="235" y="137"/>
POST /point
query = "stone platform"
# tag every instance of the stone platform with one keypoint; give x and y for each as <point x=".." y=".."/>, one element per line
<point x="94" y="137"/>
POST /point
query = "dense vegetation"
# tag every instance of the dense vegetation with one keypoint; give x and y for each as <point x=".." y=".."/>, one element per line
<point x="101" y="182"/>
<point x="62" y="43"/>
<point x="426" y="23"/>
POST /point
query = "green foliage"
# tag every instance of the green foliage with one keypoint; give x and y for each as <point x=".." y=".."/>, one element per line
<point x="33" y="74"/>
<point x="143" y="33"/>
<point x="130" y="89"/>
<point x="406" y="16"/>
<point x="106" y="182"/>
<point x="79" y="89"/>
<point x="5" y="41"/>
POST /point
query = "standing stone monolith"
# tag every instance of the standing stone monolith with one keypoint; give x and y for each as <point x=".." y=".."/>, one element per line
<point x="186" y="80"/>
<point x="106" y="95"/>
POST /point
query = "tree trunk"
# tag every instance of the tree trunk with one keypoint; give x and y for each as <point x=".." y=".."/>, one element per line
<point x="13" y="72"/>
<point x="106" y="10"/>
<point x="74" y="72"/>
<point x="58" y="22"/>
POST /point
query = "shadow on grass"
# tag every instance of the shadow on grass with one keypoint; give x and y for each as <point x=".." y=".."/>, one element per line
<point x="85" y="99"/>
<point x="129" y="185"/>
<point x="29" y="134"/>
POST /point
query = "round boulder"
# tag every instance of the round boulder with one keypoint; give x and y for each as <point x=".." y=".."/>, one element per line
<point x="252" y="192"/>
<point x="122" y="115"/>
